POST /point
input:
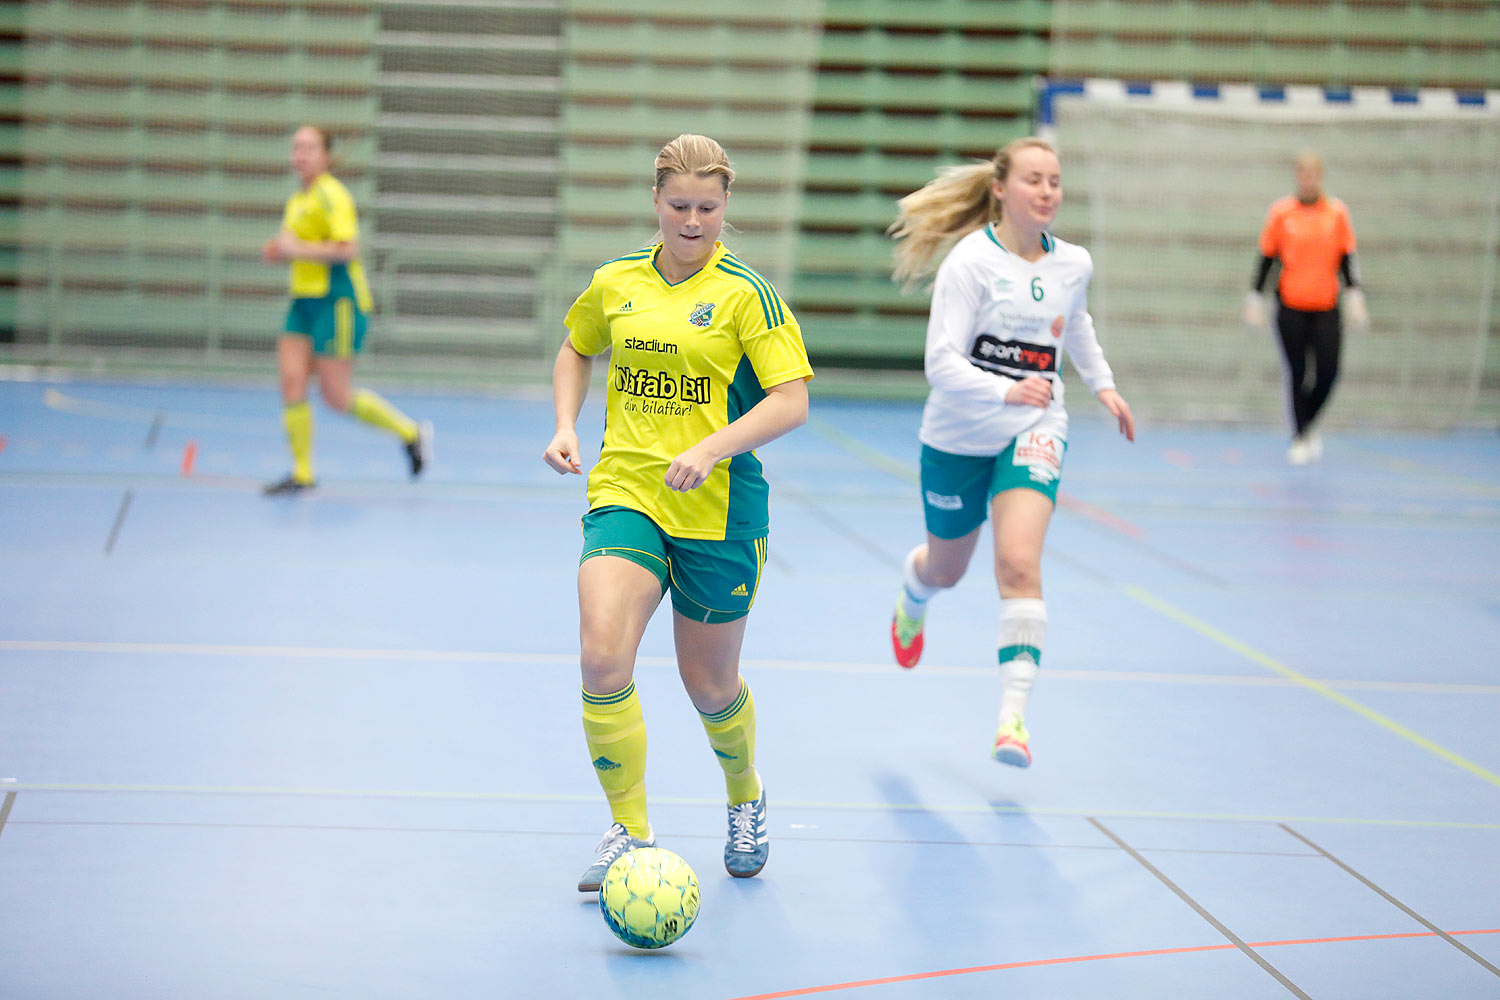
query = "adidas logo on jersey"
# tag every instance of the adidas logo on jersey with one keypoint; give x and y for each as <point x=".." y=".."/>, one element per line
<point x="740" y="591"/>
<point x="626" y="307"/>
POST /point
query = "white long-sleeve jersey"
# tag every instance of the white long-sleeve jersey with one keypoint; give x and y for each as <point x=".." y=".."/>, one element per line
<point x="996" y="319"/>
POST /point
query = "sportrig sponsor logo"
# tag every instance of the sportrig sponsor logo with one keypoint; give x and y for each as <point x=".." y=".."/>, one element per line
<point x="1012" y="355"/>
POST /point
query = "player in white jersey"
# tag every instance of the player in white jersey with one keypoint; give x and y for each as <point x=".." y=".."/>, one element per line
<point x="1007" y="301"/>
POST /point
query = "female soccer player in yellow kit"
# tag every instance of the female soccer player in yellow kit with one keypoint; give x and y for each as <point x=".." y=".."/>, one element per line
<point x="707" y="364"/>
<point x="325" y="326"/>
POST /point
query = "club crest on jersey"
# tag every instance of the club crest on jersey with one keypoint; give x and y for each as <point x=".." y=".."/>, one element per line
<point x="702" y="314"/>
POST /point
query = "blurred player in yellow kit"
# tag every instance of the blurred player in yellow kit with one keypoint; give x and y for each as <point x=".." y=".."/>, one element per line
<point x="325" y="326"/>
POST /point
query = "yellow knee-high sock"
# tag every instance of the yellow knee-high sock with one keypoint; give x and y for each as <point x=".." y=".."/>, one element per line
<point x="298" y="419"/>
<point x="616" y="734"/>
<point x="731" y="732"/>
<point x="372" y="408"/>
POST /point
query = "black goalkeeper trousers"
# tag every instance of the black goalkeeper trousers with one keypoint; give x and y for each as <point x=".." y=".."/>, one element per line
<point x="1307" y="335"/>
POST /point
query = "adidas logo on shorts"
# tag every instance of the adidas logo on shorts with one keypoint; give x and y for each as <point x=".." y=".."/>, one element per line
<point x="740" y="591"/>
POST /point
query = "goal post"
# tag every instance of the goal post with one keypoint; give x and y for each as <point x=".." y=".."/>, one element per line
<point x="1168" y="184"/>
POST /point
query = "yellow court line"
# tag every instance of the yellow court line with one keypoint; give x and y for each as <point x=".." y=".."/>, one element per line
<point x="592" y="799"/>
<point x="882" y="461"/>
<point x="1396" y="463"/>
<point x="1256" y="656"/>
<point x="862" y="451"/>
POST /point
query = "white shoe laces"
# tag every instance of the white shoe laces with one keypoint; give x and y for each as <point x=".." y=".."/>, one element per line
<point x="612" y="845"/>
<point x="742" y="826"/>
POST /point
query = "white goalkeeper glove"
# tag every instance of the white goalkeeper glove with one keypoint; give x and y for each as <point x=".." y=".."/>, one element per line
<point x="1356" y="313"/>
<point x="1254" y="313"/>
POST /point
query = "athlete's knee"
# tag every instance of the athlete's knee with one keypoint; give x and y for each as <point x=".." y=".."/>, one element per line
<point x="708" y="691"/>
<point x="602" y="646"/>
<point x="604" y="673"/>
<point x="336" y="396"/>
<point x="293" y="387"/>
<point x="606" y="661"/>
<point x="941" y="576"/>
<point x="942" y="569"/>
<point x="1017" y="572"/>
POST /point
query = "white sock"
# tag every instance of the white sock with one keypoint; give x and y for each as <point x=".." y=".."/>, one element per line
<point x="914" y="593"/>
<point x="1023" y="631"/>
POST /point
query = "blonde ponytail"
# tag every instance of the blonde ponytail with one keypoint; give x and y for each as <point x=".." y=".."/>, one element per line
<point x="948" y="207"/>
<point x="953" y="204"/>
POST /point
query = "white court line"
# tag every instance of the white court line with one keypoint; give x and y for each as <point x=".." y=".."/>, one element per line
<point x="496" y="488"/>
<point x="185" y="419"/>
<point x="807" y="666"/>
<point x="592" y="800"/>
<point x="127" y="413"/>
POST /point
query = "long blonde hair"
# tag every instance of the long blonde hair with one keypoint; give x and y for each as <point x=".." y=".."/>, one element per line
<point x="951" y="205"/>
<point x="690" y="153"/>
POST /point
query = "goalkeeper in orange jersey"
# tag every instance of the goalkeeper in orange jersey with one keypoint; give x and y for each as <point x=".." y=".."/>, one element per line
<point x="1310" y="233"/>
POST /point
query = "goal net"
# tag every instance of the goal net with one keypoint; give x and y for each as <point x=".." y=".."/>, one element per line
<point x="1168" y="186"/>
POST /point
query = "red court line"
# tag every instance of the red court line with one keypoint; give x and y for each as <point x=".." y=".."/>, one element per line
<point x="1037" y="963"/>
<point x="1100" y="515"/>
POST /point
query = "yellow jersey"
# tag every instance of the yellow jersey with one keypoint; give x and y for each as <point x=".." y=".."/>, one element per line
<point x="688" y="359"/>
<point x="323" y="212"/>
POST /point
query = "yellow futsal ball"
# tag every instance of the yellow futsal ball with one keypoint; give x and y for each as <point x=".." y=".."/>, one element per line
<point x="649" y="897"/>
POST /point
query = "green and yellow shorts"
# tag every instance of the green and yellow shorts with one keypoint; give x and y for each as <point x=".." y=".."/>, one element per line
<point x="334" y="322"/>
<point x="957" y="489"/>
<point x="711" y="581"/>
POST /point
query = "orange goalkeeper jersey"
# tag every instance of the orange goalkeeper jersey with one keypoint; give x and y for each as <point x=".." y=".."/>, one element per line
<point x="1310" y="241"/>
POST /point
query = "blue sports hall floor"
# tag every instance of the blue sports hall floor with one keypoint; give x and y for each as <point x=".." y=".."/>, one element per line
<point x="329" y="746"/>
